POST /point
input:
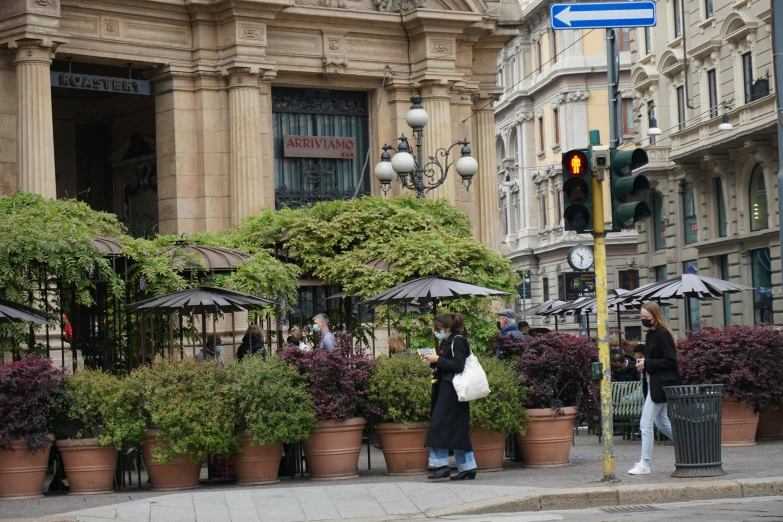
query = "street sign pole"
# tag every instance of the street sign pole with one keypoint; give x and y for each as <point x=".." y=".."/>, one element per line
<point x="613" y="87"/>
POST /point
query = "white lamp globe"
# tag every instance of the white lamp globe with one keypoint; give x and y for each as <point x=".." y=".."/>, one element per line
<point x="725" y="124"/>
<point x="417" y="117"/>
<point x="403" y="163"/>
<point x="384" y="171"/>
<point x="467" y="166"/>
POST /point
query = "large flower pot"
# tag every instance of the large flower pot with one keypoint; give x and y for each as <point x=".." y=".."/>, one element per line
<point x="257" y="464"/>
<point x="738" y="423"/>
<point x="177" y="475"/>
<point x="489" y="449"/>
<point x="332" y="453"/>
<point x="22" y="472"/>
<point x="770" y="423"/>
<point x="89" y="467"/>
<point x="547" y="442"/>
<point x="403" y="447"/>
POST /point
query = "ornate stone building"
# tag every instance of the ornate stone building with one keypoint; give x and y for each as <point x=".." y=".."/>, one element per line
<point x="715" y="205"/>
<point x="555" y="92"/>
<point x="176" y="114"/>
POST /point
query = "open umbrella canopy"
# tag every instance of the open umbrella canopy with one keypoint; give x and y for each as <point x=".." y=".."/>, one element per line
<point x="686" y="285"/>
<point x="543" y="308"/>
<point x="430" y="288"/>
<point x="15" y="312"/>
<point x="200" y="300"/>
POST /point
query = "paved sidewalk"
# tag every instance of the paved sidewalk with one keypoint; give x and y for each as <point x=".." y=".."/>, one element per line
<point x="515" y="487"/>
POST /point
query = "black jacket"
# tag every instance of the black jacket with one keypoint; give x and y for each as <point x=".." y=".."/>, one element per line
<point x="660" y="361"/>
<point x="450" y="421"/>
<point x="251" y="347"/>
<point x="629" y="373"/>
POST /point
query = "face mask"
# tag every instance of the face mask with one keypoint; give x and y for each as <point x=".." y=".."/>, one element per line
<point x="316" y="328"/>
<point x="440" y="335"/>
<point x="500" y="326"/>
<point x="96" y="329"/>
<point x="219" y="349"/>
<point x="647" y="323"/>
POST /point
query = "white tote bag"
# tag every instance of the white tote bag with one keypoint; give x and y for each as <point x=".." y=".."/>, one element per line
<point x="472" y="383"/>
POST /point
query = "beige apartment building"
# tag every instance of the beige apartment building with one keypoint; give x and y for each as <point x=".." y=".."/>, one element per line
<point x="715" y="205"/>
<point x="555" y="92"/>
<point x="175" y="114"/>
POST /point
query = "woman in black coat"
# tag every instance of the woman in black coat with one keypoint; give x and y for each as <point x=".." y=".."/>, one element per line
<point x="450" y="420"/>
<point x="659" y="367"/>
<point x="252" y="343"/>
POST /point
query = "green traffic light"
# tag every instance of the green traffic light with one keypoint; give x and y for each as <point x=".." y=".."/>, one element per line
<point x="630" y="186"/>
<point x="627" y="188"/>
<point x="629" y="214"/>
<point x="627" y="160"/>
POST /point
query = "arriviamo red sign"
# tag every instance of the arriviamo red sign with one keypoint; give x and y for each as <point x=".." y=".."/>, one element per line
<point x="318" y="147"/>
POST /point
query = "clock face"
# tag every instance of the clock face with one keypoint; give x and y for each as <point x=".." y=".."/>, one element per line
<point x="581" y="257"/>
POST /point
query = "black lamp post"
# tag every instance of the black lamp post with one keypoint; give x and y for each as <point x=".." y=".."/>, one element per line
<point x="413" y="173"/>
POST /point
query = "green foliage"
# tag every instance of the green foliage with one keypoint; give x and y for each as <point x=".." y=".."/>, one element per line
<point x="189" y="404"/>
<point x="402" y="387"/>
<point x="503" y="410"/>
<point x="271" y="401"/>
<point x="95" y="404"/>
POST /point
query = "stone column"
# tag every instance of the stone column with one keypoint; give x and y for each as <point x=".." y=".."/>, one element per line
<point x="437" y="134"/>
<point x="246" y="158"/>
<point x="486" y="180"/>
<point x="34" y="131"/>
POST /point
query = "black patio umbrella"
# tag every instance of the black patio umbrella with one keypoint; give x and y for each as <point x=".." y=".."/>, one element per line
<point x="685" y="286"/>
<point x="11" y="312"/>
<point x="430" y="288"/>
<point x="543" y="309"/>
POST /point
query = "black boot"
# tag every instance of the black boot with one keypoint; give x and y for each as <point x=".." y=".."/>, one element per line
<point x="465" y="475"/>
<point x="441" y="473"/>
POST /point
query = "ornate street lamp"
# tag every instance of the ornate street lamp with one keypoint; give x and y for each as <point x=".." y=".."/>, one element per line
<point x="413" y="173"/>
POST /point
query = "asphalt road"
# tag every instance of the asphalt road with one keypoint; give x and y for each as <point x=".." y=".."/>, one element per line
<point x="735" y="510"/>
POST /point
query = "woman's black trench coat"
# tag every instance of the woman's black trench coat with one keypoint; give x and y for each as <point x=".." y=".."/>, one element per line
<point x="450" y="420"/>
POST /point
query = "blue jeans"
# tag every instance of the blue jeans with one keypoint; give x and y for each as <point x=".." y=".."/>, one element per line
<point x="657" y="414"/>
<point x="439" y="457"/>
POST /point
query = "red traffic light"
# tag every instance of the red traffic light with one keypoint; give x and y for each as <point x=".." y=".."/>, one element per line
<point x="575" y="163"/>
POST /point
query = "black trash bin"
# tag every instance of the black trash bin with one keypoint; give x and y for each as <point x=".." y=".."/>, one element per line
<point x="694" y="412"/>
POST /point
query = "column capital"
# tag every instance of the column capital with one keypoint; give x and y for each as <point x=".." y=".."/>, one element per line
<point x="33" y="51"/>
<point x="243" y="78"/>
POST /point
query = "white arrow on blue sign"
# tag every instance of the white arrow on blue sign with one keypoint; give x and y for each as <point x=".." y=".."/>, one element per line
<point x="604" y="15"/>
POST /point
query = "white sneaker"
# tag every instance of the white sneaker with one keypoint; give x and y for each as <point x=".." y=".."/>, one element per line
<point x="640" y="469"/>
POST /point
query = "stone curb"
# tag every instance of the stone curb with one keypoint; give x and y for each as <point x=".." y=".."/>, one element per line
<point x="615" y="495"/>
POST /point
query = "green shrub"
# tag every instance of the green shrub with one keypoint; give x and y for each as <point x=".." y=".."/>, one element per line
<point x="189" y="404"/>
<point x="271" y="401"/>
<point x="402" y="387"/>
<point x="96" y="405"/>
<point x="503" y="410"/>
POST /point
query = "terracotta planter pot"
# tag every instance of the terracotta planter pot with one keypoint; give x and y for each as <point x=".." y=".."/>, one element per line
<point x="257" y="464"/>
<point x="403" y="447"/>
<point x="332" y="453"/>
<point x="179" y="474"/>
<point x="489" y="448"/>
<point x="547" y="442"/>
<point x="22" y="472"/>
<point x="90" y="468"/>
<point x="770" y="423"/>
<point x="738" y="423"/>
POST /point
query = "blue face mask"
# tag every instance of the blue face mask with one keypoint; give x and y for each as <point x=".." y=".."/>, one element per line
<point x="440" y="335"/>
<point x="219" y="349"/>
<point x="316" y="328"/>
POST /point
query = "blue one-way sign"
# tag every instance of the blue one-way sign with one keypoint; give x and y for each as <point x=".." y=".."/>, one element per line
<point x="604" y="15"/>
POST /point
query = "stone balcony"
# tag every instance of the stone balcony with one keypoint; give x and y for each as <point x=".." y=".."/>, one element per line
<point x="755" y="118"/>
<point x="658" y="156"/>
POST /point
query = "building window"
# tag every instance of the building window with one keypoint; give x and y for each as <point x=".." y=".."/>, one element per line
<point x="541" y="135"/>
<point x="689" y="212"/>
<point x="544" y="210"/>
<point x="677" y="18"/>
<point x="747" y="75"/>
<point x="539" y="56"/>
<point x="553" y="39"/>
<point x="681" y="107"/>
<point x="712" y="85"/>
<point x="556" y="126"/>
<point x="513" y="75"/>
<point x="723" y="224"/>
<point x="500" y="78"/>
<point x="725" y="275"/>
<point x="627" y="116"/>
<point x="709" y="11"/>
<point x="692" y="267"/>
<point x="624" y="40"/>
<point x="661" y="275"/>
<point x="629" y="279"/>
<point x="762" y="282"/>
<point x="659" y="221"/>
<point x="759" y="216"/>
<point x="545" y="282"/>
<point x="648" y="40"/>
<point x="650" y="116"/>
<point x="559" y="205"/>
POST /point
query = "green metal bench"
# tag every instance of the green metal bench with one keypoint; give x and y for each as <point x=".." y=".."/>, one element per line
<point x="628" y="401"/>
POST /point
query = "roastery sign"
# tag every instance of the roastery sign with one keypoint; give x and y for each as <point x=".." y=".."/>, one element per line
<point x="99" y="83"/>
<point x="319" y="147"/>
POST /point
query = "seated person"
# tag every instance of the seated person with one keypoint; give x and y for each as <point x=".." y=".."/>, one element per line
<point x="624" y="368"/>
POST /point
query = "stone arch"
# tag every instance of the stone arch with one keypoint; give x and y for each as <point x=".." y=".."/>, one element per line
<point x="513" y="146"/>
<point x="643" y="77"/>
<point x="500" y="151"/>
<point x="670" y="59"/>
<point x="733" y="23"/>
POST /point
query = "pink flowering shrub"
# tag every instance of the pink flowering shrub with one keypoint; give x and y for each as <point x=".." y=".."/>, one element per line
<point x="336" y="379"/>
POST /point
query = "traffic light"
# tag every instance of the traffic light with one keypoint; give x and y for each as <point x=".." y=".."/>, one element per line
<point x="577" y="180"/>
<point x="627" y="188"/>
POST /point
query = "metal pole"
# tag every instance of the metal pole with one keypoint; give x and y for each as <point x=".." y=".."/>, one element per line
<point x="613" y="87"/>
<point x="777" y="53"/>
